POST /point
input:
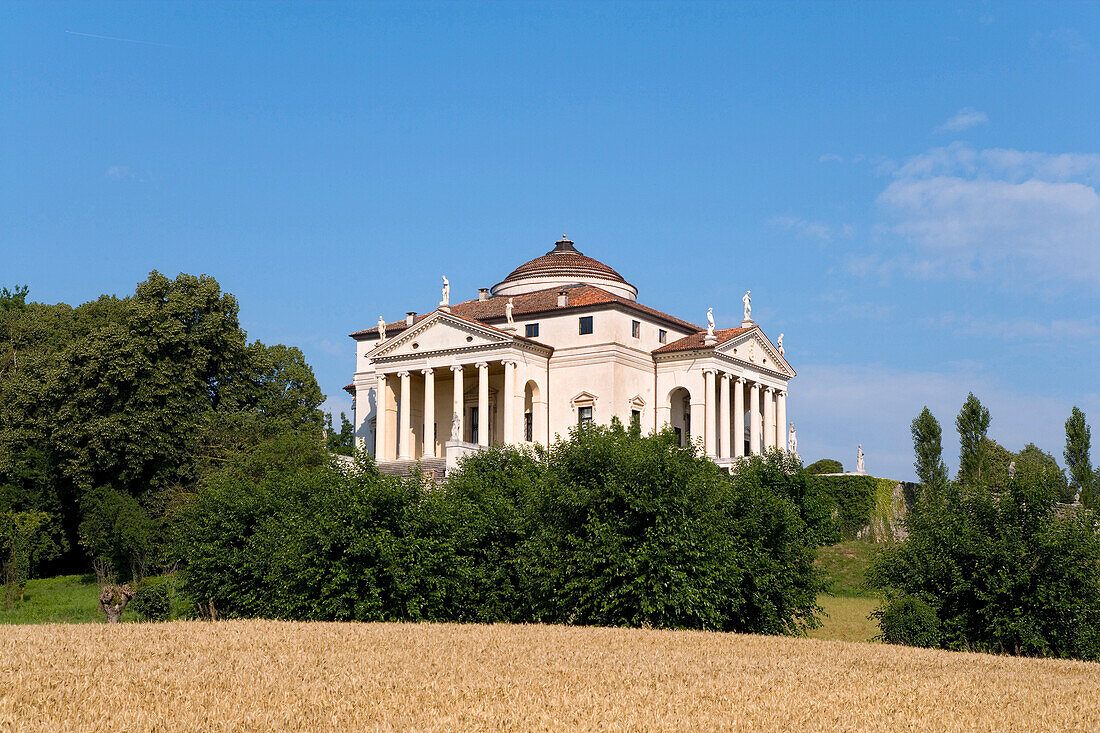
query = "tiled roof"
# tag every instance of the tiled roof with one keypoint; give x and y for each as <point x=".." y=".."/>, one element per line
<point x="695" y="340"/>
<point x="350" y="389"/>
<point x="565" y="260"/>
<point x="540" y="301"/>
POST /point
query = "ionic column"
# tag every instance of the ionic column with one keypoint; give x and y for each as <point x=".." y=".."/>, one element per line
<point x="724" y="416"/>
<point x="457" y="407"/>
<point x="754" y="418"/>
<point x="380" y="416"/>
<point x="482" y="403"/>
<point x="429" y="412"/>
<point x="709" y="432"/>
<point x="781" y="419"/>
<point x="738" y="417"/>
<point x="769" y="418"/>
<point x="510" y="402"/>
<point x="405" y="435"/>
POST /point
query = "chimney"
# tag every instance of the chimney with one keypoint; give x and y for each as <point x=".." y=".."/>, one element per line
<point x="410" y="317"/>
<point x="563" y="299"/>
<point x="483" y="293"/>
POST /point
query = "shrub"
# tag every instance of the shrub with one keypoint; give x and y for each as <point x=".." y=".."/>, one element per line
<point x="852" y="499"/>
<point x="825" y="465"/>
<point x="908" y="620"/>
<point x="152" y="600"/>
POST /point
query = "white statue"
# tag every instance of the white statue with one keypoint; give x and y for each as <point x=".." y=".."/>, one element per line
<point x="710" y="323"/>
<point x="779" y="343"/>
<point x="381" y="328"/>
<point x="859" y="459"/>
<point x="508" y="311"/>
<point x="747" y="300"/>
<point x="792" y="440"/>
<point x="1012" y="469"/>
<point x="456" y="427"/>
<point x="446" y="292"/>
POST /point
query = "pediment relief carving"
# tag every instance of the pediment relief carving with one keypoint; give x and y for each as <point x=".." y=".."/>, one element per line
<point x="437" y="332"/>
<point x="754" y="348"/>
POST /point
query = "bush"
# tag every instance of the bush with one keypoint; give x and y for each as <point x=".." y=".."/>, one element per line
<point x="152" y="600"/>
<point x="851" y="497"/>
<point x="908" y="620"/>
<point x="606" y="528"/>
<point x="825" y="465"/>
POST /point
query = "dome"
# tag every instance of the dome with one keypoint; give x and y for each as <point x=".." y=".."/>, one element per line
<point x="563" y="265"/>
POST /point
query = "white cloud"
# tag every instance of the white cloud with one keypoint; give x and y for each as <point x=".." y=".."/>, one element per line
<point x="1017" y="216"/>
<point x="836" y="407"/>
<point x="816" y="230"/>
<point x="964" y="119"/>
<point x="1057" y="330"/>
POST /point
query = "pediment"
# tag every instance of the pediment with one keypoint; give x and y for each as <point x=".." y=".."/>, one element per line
<point x="438" y="332"/>
<point x="754" y="348"/>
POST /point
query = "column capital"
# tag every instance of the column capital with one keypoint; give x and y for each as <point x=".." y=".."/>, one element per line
<point x="403" y="374"/>
<point x="427" y="370"/>
<point x="380" y="377"/>
<point x="456" y="368"/>
<point x="726" y="376"/>
<point x="482" y="365"/>
<point x="509" y="362"/>
<point x="709" y="370"/>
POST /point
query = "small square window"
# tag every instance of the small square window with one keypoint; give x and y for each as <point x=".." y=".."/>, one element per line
<point x="584" y="415"/>
<point x="585" y="324"/>
<point x="635" y="329"/>
<point x="531" y="330"/>
<point x="662" y="335"/>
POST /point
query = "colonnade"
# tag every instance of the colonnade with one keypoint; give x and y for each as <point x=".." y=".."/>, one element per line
<point x="406" y="437"/>
<point x="723" y="436"/>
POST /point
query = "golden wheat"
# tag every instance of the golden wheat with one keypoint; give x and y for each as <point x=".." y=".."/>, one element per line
<point x="274" y="676"/>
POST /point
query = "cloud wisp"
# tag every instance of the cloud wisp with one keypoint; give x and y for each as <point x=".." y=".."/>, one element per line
<point x="964" y="119"/>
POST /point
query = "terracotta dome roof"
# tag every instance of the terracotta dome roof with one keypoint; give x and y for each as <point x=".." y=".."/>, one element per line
<point x="563" y="264"/>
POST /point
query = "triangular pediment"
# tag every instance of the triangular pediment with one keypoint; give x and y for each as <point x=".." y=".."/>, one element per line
<point x="753" y="347"/>
<point x="438" y="332"/>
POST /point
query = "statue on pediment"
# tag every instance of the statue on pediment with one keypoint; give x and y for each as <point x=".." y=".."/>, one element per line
<point x="747" y="300"/>
<point x="710" y="323"/>
<point x="381" y="328"/>
<point x="508" y="307"/>
<point x="779" y="344"/>
<point x="446" y="292"/>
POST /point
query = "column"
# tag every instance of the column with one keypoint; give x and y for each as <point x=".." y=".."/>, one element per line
<point x="482" y="403"/>
<point x="404" y="428"/>
<point x="380" y="416"/>
<point x="781" y="418"/>
<point x="709" y="433"/>
<point x="738" y="438"/>
<point x="724" y="416"/>
<point x="456" y="408"/>
<point x="510" y="402"/>
<point x="769" y="418"/>
<point x="754" y="418"/>
<point x="429" y="412"/>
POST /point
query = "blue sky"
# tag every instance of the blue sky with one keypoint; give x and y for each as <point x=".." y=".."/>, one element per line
<point x="910" y="191"/>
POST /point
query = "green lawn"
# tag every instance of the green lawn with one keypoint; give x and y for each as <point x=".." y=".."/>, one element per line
<point x="65" y="599"/>
<point x="850" y="602"/>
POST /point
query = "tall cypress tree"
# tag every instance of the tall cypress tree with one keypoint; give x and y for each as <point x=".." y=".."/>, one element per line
<point x="972" y="424"/>
<point x="928" y="446"/>
<point x="1078" y="438"/>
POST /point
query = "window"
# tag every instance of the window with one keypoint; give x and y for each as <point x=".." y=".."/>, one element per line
<point x="662" y="335"/>
<point x="528" y="427"/>
<point x="585" y="324"/>
<point x="679" y="437"/>
<point x="531" y="330"/>
<point x="584" y="415"/>
<point x="635" y="329"/>
<point x="473" y="424"/>
<point x="636" y="419"/>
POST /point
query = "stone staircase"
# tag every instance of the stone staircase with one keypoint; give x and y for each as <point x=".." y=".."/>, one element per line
<point x="437" y="467"/>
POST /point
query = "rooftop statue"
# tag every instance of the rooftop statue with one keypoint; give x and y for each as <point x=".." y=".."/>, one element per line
<point x="710" y="323"/>
<point x="779" y="343"/>
<point x="381" y="328"/>
<point x="446" y="292"/>
<point x="747" y="300"/>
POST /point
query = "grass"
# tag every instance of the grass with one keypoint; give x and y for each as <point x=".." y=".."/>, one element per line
<point x="846" y="619"/>
<point x="850" y="602"/>
<point x="64" y="599"/>
<point x="276" y="676"/>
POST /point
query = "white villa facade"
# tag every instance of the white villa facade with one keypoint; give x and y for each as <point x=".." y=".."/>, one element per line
<point x="559" y="342"/>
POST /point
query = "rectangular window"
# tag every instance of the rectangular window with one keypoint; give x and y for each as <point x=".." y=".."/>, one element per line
<point x="636" y="419"/>
<point x="679" y="436"/>
<point x="635" y="329"/>
<point x="532" y="330"/>
<point x="528" y="427"/>
<point x="473" y="424"/>
<point x="584" y="416"/>
<point x="662" y="335"/>
<point x="585" y="324"/>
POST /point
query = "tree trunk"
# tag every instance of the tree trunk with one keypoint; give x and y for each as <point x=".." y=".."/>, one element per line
<point x="113" y="600"/>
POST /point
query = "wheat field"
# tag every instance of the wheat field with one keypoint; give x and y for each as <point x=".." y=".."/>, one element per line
<point x="276" y="676"/>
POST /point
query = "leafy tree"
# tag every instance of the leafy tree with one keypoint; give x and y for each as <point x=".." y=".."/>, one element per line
<point x="928" y="446"/>
<point x="825" y="465"/>
<point x="24" y="540"/>
<point x="1078" y="440"/>
<point x="1037" y="462"/>
<point x="341" y="443"/>
<point x="117" y="530"/>
<point x="1005" y="573"/>
<point x="12" y="305"/>
<point x="972" y="424"/>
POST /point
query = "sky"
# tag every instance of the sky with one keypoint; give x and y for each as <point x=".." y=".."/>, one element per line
<point x="909" y="190"/>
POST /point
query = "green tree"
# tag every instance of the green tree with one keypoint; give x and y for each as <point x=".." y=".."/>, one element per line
<point x="825" y="465"/>
<point x="928" y="446"/>
<point x="343" y="442"/>
<point x="25" y="539"/>
<point x="972" y="424"/>
<point x="1078" y="443"/>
